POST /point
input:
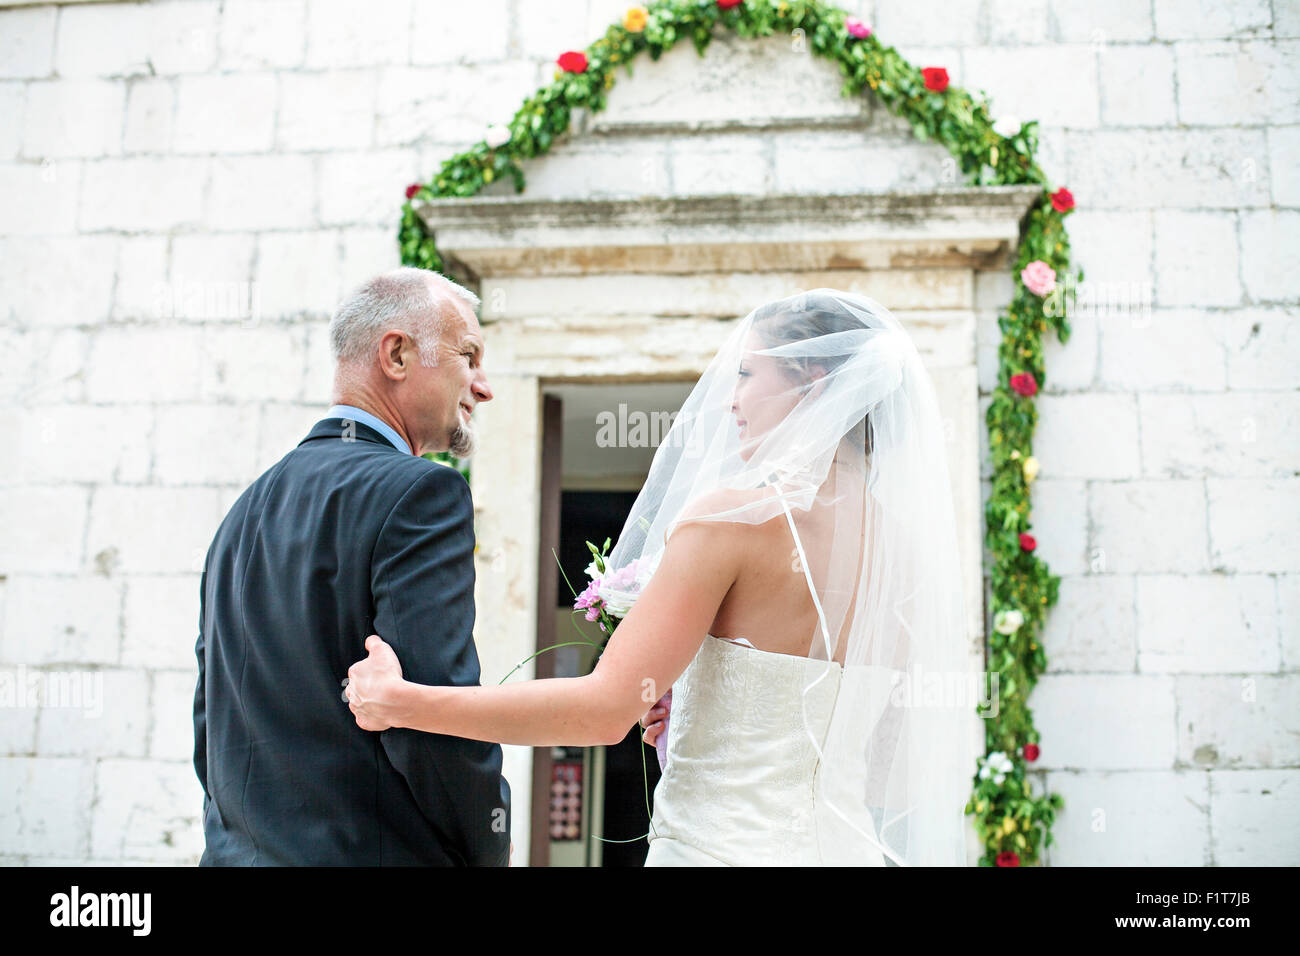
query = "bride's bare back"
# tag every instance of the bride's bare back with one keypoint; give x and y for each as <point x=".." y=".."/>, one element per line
<point x="770" y="604"/>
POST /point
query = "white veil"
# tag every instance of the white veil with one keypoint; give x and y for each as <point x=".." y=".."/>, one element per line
<point x="836" y="430"/>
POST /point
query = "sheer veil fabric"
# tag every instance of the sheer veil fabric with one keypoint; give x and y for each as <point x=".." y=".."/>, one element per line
<point x="817" y="411"/>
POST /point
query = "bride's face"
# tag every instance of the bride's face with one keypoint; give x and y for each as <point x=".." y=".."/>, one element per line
<point x="765" y="393"/>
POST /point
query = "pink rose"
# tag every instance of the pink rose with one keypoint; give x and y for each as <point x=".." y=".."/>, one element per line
<point x="857" y="28"/>
<point x="1038" y="277"/>
<point x="1024" y="383"/>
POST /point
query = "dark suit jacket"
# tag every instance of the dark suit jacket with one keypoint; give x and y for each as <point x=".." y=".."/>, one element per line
<point x="345" y="536"/>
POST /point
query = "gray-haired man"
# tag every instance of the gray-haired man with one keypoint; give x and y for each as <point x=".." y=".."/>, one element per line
<point x="350" y="534"/>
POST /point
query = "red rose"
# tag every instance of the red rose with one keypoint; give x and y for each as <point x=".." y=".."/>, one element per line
<point x="411" y="190"/>
<point x="1008" y="858"/>
<point x="1024" y="383"/>
<point x="1062" y="200"/>
<point x="1031" y="752"/>
<point x="573" y="61"/>
<point x="936" y="78"/>
<point x="728" y="4"/>
<point x="1027" y="543"/>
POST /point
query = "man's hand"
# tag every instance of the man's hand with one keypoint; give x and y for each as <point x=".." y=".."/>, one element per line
<point x="655" y="720"/>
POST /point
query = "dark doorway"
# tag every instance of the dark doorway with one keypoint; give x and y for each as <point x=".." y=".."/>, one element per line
<point x="631" y="768"/>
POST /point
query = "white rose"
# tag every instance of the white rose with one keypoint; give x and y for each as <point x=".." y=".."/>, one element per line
<point x="1008" y="621"/>
<point x="997" y="765"/>
<point x="1006" y="126"/>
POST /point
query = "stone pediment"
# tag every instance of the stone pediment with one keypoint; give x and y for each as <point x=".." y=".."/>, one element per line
<point x="964" y="227"/>
<point x="752" y="117"/>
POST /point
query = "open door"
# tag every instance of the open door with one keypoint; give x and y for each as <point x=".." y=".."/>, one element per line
<point x="547" y="583"/>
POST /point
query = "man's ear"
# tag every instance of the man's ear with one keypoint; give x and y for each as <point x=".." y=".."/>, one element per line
<point x="395" y="349"/>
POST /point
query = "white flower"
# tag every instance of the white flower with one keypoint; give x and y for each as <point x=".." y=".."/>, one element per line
<point x="1008" y="621"/>
<point x="1006" y="126"/>
<point x="996" y="765"/>
<point x="617" y="601"/>
<point x="497" y="135"/>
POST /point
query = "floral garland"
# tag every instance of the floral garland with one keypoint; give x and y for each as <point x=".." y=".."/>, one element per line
<point x="1010" y="820"/>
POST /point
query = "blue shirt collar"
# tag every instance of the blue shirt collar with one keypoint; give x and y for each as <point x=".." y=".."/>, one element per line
<point x="378" y="424"/>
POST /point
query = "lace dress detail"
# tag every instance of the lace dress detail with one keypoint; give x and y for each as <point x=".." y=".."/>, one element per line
<point x="738" y="785"/>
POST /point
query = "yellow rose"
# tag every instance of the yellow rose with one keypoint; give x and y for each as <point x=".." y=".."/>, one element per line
<point x="1008" y="825"/>
<point x="1030" y="467"/>
<point x="634" y="19"/>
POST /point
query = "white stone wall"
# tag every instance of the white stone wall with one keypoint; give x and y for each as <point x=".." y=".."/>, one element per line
<point x="187" y="187"/>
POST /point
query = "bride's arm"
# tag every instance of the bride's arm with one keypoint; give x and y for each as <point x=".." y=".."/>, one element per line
<point x="649" y="650"/>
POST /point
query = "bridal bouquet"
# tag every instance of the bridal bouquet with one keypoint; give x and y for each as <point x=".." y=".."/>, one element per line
<point x="609" y="597"/>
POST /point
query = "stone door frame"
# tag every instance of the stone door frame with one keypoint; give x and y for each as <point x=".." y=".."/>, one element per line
<point x="641" y="290"/>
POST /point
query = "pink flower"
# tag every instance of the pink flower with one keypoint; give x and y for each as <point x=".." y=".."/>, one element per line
<point x="857" y="28"/>
<point x="623" y="576"/>
<point x="1024" y="383"/>
<point x="1038" y="277"/>
<point x="588" y="598"/>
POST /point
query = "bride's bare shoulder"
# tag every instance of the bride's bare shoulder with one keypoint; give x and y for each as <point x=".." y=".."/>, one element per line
<point x="733" y="508"/>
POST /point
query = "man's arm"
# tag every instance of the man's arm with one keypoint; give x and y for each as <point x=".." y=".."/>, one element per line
<point x="200" y="702"/>
<point x="422" y="580"/>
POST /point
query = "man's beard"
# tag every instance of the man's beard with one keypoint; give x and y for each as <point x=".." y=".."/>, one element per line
<point x="463" y="441"/>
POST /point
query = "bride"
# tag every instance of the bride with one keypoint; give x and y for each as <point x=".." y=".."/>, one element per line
<point x="797" y="582"/>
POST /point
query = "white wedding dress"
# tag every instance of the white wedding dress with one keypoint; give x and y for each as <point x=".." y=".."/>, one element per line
<point x="739" y="785"/>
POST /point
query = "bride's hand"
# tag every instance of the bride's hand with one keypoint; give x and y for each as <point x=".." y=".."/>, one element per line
<point x="373" y="687"/>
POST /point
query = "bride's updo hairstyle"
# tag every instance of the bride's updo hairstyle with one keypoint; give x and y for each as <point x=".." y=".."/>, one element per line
<point x="810" y="315"/>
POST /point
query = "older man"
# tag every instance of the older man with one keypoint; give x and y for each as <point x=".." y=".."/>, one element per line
<point x="349" y="534"/>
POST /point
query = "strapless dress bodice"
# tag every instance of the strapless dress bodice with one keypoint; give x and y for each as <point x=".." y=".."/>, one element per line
<point x="738" y="787"/>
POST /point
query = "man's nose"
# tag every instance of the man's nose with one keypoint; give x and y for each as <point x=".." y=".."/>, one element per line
<point x="482" y="390"/>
